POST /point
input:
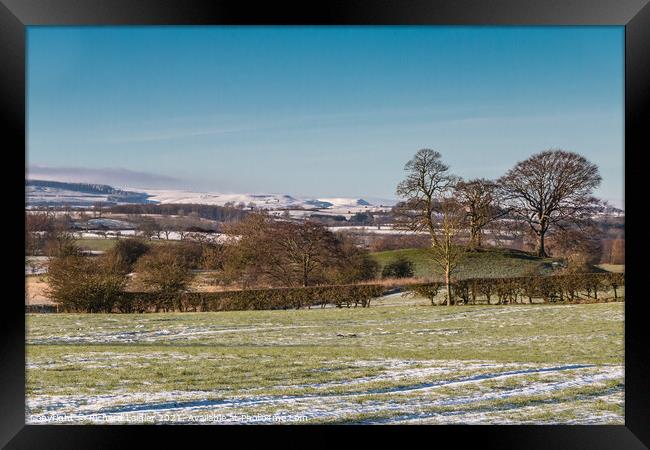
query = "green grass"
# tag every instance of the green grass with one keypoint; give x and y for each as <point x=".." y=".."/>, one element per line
<point x="90" y="362"/>
<point x="96" y="244"/>
<point x="532" y="333"/>
<point x="99" y="244"/>
<point x="479" y="264"/>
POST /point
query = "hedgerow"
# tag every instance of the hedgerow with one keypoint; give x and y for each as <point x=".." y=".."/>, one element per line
<point x="578" y="287"/>
<point x="250" y="299"/>
<point x="567" y="287"/>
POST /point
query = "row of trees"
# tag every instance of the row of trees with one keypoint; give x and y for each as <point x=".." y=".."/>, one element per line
<point x="550" y="192"/>
<point x="224" y="213"/>
<point x="43" y="233"/>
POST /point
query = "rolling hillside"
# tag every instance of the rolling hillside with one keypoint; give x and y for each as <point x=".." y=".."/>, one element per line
<point x="482" y="263"/>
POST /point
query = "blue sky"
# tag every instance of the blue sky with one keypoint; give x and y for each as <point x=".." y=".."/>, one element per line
<point x="318" y="111"/>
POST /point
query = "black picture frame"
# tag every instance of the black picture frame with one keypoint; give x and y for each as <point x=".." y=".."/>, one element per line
<point x="15" y="15"/>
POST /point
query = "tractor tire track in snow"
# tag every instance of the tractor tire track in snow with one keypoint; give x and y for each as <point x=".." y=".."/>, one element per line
<point x="336" y="406"/>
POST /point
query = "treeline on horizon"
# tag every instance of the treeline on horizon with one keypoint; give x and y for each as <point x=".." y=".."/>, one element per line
<point x="226" y="213"/>
<point x="88" y="188"/>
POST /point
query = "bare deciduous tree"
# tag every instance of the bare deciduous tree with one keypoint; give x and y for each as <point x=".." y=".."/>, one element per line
<point x="447" y="250"/>
<point x="551" y="189"/>
<point x="430" y="206"/>
<point x="480" y="197"/>
<point x="60" y="243"/>
<point x="37" y="227"/>
<point x="148" y="227"/>
<point x="578" y="247"/>
<point x="427" y="177"/>
<point x="287" y="253"/>
<point x="166" y="227"/>
<point x="301" y="250"/>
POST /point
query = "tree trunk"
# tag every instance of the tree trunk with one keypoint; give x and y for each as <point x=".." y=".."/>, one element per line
<point x="448" y="284"/>
<point x="541" y="251"/>
<point x="472" y="238"/>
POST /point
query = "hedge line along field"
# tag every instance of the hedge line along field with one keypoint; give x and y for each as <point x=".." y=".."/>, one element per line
<point x="390" y="364"/>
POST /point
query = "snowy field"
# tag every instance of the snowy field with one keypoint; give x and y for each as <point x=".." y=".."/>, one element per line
<point x="169" y="236"/>
<point x="388" y="364"/>
<point x="383" y="229"/>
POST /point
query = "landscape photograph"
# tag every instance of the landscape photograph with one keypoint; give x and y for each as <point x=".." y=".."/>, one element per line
<point x="331" y="225"/>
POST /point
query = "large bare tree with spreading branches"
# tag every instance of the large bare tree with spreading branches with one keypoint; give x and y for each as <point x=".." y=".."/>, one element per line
<point x="552" y="190"/>
<point x="300" y="251"/>
<point x="291" y="253"/>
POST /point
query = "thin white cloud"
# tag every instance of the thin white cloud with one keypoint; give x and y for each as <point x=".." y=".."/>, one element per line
<point x="166" y="136"/>
<point x="301" y="120"/>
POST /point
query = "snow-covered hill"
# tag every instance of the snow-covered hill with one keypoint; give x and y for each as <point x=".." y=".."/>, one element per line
<point x="266" y="201"/>
<point x="41" y="193"/>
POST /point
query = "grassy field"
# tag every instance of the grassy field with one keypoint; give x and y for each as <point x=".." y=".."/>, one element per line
<point x="99" y="244"/>
<point x="397" y="362"/>
<point x="96" y="244"/>
<point x="479" y="264"/>
<point x="483" y="263"/>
